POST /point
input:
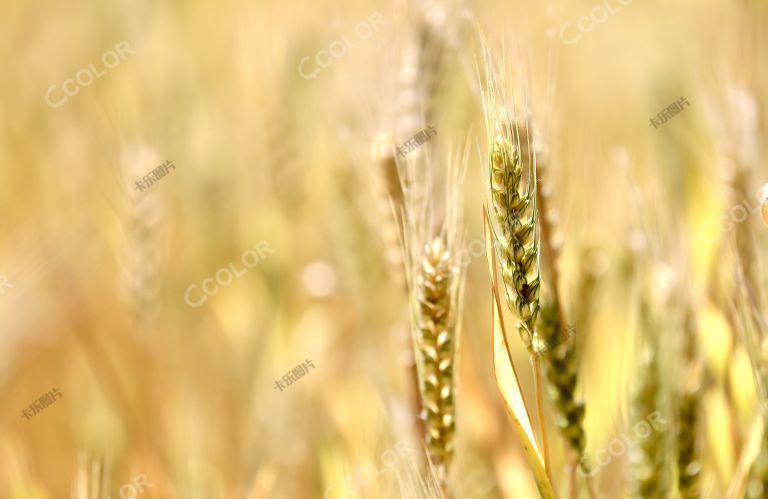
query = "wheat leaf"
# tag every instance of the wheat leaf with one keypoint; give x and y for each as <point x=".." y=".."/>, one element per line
<point x="506" y="378"/>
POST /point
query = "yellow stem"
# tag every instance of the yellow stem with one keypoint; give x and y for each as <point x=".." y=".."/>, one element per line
<point x="540" y="414"/>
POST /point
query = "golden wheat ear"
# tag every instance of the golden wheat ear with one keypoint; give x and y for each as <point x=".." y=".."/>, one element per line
<point x="435" y="344"/>
<point x="432" y="247"/>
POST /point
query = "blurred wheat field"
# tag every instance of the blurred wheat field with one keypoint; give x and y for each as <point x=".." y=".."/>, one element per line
<point x="297" y="303"/>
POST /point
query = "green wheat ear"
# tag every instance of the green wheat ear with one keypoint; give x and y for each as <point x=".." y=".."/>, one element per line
<point x="514" y="211"/>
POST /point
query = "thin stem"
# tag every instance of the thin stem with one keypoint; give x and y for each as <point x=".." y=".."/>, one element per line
<point x="574" y="465"/>
<point x="590" y="487"/>
<point x="540" y="413"/>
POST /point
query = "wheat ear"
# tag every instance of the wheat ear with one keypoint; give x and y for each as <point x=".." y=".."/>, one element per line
<point x="515" y="215"/>
<point x="435" y="345"/>
<point x="435" y="279"/>
<point x="562" y="373"/>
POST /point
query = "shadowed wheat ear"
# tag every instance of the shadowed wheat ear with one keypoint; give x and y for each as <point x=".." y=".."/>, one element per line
<point x="557" y="346"/>
<point x="435" y="279"/>
<point x="649" y="459"/>
<point x="562" y="374"/>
